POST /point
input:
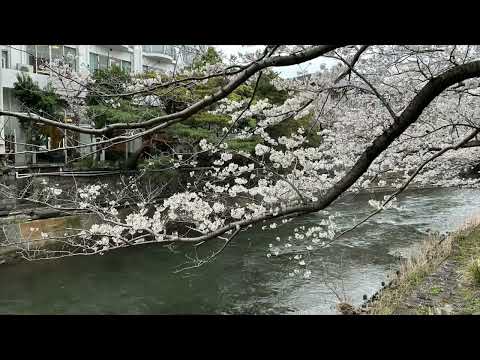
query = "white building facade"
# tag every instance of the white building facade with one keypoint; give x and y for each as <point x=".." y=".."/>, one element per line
<point x="135" y="59"/>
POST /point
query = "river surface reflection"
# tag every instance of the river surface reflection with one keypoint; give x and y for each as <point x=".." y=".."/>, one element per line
<point x="242" y="280"/>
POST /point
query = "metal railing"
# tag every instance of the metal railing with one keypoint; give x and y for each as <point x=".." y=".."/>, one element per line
<point x="159" y="49"/>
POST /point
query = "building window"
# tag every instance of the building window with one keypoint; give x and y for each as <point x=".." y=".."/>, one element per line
<point x="57" y="53"/>
<point x="43" y="55"/>
<point x="38" y="54"/>
<point x="93" y="62"/>
<point x="127" y="66"/>
<point x="116" y="62"/>
<point x="170" y="50"/>
<point x="98" y="62"/>
<point x="70" y="56"/>
<point x="31" y="54"/>
<point x="102" y="62"/>
<point x="64" y="55"/>
<point x="5" y="59"/>
<point x="121" y="64"/>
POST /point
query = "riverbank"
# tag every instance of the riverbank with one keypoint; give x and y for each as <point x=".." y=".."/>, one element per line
<point x="443" y="277"/>
<point x="20" y="234"/>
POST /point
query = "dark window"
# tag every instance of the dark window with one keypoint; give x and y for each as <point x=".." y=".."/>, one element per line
<point x="5" y="59"/>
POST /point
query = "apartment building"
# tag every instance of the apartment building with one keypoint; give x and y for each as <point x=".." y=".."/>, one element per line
<point x="16" y="59"/>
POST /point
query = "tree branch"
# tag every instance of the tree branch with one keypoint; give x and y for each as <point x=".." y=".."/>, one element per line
<point x="352" y="64"/>
<point x="169" y="119"/>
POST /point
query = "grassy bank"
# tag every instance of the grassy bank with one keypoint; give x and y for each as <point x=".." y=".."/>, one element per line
<point x="442" y="278"/>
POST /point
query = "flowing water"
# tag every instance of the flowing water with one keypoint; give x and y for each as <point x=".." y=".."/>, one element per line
<point x="241" y="280"/>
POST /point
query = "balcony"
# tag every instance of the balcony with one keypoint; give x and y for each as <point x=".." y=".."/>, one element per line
<point x="9" y="77"/>
<point x="159" y="52"/>
<point x="123" y="48"/>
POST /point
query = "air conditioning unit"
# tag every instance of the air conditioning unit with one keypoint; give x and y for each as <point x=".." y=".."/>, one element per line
<point x="25" y="68"/>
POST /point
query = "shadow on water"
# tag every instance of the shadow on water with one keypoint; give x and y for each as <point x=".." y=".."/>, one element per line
<point x="242" y="280"/>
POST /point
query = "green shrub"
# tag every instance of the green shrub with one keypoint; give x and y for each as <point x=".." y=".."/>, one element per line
<point x="474" y="270"/>
<point x="247" y="145"/>
<point x="156" y="162"/>
<point x="87" y="163"/>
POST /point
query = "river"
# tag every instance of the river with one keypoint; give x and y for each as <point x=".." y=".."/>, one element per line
<point x="241" y="280"/>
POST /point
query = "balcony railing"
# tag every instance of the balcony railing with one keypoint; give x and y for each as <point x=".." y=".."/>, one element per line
<point x="168" y="50"/>
<point x="123" y="48"/>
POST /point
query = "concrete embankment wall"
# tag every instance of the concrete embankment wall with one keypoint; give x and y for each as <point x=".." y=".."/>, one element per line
<point x="19" y="234"/>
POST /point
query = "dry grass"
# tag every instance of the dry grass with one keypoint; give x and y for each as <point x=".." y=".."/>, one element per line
<point x="432" y="252"/>
<point x="474" y="271"/>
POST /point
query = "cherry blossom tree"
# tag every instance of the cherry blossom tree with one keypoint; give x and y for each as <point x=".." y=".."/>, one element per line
<point x="382" y="116"/>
